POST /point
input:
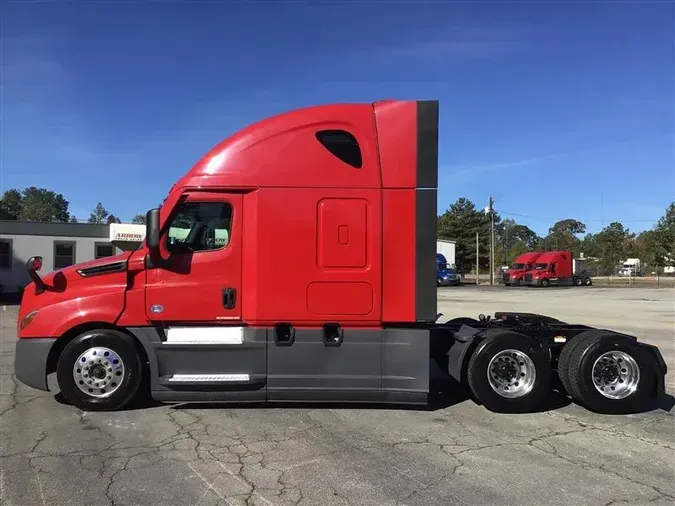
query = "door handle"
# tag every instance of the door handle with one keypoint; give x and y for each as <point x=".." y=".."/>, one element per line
<point x="229" y="298"/>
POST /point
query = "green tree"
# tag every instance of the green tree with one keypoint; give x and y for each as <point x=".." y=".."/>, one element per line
<point x="10" y="205"/>
<point x="658" y="244"/>
<point x="139" y="219"/>
<point x="40" y="204"/>
<point x="513" y="239"/>
<point x="613" y="243"/>
<point x="589" y="246"/>
<point x="460" y="223"/>
<point x="113" y="219"/>
<point x="665" y="230"/>
<point x="99" y="214"/>
<point x="563" y="236"/>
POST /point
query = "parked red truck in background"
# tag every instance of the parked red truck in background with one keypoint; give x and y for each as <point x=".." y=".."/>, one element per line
<point x="344" y="197"/>
<point x="513" y="276"/>
<point x="557" y="268"/>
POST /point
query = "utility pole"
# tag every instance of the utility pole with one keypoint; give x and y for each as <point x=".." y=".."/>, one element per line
<point x="492" y="240"/>
<point x="477" y="265"/>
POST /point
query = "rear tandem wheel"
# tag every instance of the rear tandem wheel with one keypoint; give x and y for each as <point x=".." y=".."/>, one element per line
<point x="509" y="372"/>
<point x="608" y="372"/>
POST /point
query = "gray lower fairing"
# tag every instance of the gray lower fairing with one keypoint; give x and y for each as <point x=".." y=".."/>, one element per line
<point x="373" y="365"/>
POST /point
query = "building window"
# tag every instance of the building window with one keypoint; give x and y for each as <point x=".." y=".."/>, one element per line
<point x="64" y="254"/>
<point x="342" y="145"/>
<point x="5" y="253"/>
<point x="103" y="249"/>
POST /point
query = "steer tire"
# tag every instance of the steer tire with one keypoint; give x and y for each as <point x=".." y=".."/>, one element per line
<point x="564" y="359"/>
<point x="617" y="349"/>
<point x="107" y="351"/>
<point x="498" y="342"/>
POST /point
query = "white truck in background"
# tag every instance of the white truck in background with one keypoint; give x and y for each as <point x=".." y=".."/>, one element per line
<point x="630" y="267"/>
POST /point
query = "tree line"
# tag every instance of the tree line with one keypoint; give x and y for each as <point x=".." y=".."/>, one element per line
<point x="40" y="204"/>
<point x="460" y="223"/>
<point x="605" y="250"/>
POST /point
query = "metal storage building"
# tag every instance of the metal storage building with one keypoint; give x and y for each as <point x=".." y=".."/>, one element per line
<point x="59" y="245"/>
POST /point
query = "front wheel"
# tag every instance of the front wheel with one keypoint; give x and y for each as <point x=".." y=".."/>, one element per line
<point x="509" y="373"/>
<point x="544" y="283"/>
<point x="100" y="370"/>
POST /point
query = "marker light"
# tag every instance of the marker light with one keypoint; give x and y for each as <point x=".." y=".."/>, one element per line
<point x="26" y="320"/>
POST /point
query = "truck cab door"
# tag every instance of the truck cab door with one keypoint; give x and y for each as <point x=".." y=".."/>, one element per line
<point x="199" y="276"/>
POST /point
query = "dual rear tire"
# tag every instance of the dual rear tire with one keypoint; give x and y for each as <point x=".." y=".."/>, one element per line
<point x="607" y="372"/>
<point x="509" y="372"/>
<point x="603" y="371"/>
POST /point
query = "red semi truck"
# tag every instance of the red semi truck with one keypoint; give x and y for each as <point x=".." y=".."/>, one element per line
<point x="522" y="264"/>
<point x="344" y="197"/>
<point x="557" y="268"/>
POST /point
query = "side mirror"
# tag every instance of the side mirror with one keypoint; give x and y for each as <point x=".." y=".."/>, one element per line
<point x="152" y="228"/>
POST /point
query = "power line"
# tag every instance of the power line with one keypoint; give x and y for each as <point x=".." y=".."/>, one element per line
<point x="600" y="220"/>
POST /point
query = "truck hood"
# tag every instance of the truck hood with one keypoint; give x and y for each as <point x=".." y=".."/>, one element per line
<point x="77" y="281"/>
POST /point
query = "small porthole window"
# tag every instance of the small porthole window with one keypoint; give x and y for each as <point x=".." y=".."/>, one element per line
<point x="343" y="145"/>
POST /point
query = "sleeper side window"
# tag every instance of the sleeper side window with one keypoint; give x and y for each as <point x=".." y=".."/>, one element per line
<point x="200" y="226"/>
<point x="342" y="145"/>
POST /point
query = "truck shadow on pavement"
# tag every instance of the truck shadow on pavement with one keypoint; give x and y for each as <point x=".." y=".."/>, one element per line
<point x="438" y="400"/>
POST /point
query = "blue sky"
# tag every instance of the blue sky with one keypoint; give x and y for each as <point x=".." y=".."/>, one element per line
<point x="557" y="109"/>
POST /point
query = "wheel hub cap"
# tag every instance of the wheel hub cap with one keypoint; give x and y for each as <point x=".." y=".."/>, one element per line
<point x="616" y="375"/>
<point x="98" y="372"/>
<point x="511" y="373"/>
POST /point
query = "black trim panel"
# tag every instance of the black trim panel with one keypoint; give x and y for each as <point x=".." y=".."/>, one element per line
<point x="425" y="210"/>
<point x="426" y="296"/>
<point x="427" y="143"/>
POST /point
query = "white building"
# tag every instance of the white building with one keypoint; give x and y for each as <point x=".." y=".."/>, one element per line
<point x="59" y="244"/>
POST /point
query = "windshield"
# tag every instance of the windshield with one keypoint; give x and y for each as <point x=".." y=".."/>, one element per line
<point x="518" y="266"/>
<point x="540" y="267"/>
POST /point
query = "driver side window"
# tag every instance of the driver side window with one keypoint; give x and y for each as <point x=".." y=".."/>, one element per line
<point x="200" y="226"/>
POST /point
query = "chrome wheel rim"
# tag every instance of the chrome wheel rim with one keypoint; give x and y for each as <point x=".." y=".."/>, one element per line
<point x="511" y="373"/>
<point x="98" y="372"/>
<point x="616" y="375"/>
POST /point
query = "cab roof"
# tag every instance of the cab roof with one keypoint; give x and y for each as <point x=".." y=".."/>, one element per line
<point x="385" y="144"/>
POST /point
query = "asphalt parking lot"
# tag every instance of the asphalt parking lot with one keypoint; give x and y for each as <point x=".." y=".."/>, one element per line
<point x="456" y="453"/>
